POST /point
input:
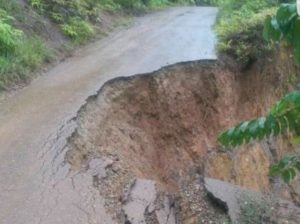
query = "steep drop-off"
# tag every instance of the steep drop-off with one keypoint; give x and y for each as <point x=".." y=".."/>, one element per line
<point x="163" y="126"/>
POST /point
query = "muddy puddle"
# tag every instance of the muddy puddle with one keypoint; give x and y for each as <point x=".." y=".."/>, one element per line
<point x="149" y="140"/>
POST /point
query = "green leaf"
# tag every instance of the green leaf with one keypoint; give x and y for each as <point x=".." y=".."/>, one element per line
<point x="292" y="173"/>
<point x="276" y="169"/>
<point x="285" y="15"/>
<point x="252" y="128"/>
<point x="296" y="39"/>
<point x="244" y="126"/>
<point x="280" y="107"/>
<point x="297" y="166"/>
<point x="271" y="29"/>
<point x="286" y="176"/>
<point x="287" y="159"/>
<point x="224" y="139"/>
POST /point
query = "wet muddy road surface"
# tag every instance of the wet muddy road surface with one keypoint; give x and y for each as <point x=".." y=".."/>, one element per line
<point x="36" y="184"/>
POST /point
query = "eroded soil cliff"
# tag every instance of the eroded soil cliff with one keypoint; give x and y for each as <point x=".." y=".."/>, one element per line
<point x="163" y="127"/>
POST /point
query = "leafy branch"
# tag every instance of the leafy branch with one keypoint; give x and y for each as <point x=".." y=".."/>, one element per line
<point x="284" y="116"/>
<point x="286" y="168"/>
<point x="285" y="25"/>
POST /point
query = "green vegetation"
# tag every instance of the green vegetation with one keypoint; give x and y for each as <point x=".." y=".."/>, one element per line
<point x="10" y="7"/>
<point x="76" y="17"/>
<point x="286" y="168"/>
<point x="285" y="26"/>
<point x="284" y="116"/>
<point x="78" y="29"/>
<point x="9" y="36"/>
<point x="209" y="2"/>
<point x="239" y="27"/>
<point x="21" y="47"/>
<point x="19" y="54"/>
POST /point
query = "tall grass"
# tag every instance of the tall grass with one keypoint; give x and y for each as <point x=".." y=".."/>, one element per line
<point x="19" y="54"/>
<point x="10" y="6"/>
<point x="76" y="17"/>
<point x="30" y="54"/>
<point x="239" y="29"/>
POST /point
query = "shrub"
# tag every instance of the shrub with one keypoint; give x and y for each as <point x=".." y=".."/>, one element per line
<point x="154" y="3"/>
<point x="10" y="6"/>
<point x="108" y="5"/>
<point x="18" y="54"/>
<point x="28" y="55"/>
<point x="130" y="4"/>
<point x="283" y="117"/>
<point x="78" y="29"/>
<point x="209" y="2"/>
<point x="37" y="4"/>
<point x="239" y="29"/>
<point x="285" y="26"/>
<point x="75" y="16"/>
<point x="31" y="53"/>
<point x="9" y="36"/>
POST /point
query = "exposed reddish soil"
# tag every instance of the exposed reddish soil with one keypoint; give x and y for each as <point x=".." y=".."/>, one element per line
<point x="163" y="126"/>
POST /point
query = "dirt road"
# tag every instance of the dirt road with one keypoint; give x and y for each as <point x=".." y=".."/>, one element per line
<point x="36" y="185"/>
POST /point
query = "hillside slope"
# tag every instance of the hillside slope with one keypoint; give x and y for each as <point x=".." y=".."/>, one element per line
<point x="34" y="32"/>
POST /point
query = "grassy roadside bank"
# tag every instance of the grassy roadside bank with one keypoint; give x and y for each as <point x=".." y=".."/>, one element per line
<point x="239" y="28"/>
<point x="21" y="50"/>
<point x="35" y="32"/>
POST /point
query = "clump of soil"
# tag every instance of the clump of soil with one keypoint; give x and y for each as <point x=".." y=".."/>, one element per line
<point x="163" y="126"/>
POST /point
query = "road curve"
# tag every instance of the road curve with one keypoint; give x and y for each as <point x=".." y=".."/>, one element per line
<point x="36" y="185"/>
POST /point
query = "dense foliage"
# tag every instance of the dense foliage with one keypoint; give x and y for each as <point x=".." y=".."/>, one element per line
<point x="76" y="17"/>
<point x="239" y="27"/>
<point x="19" y="54"/>
<point x="284" y="116"/>
<point x="286" y="168"/>
<point x="22" y="45"/>
<point x="285" y="25"/>
<point x="10" y="36"/>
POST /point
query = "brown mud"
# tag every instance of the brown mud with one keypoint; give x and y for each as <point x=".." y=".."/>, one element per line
<point x="162" y="126"/>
